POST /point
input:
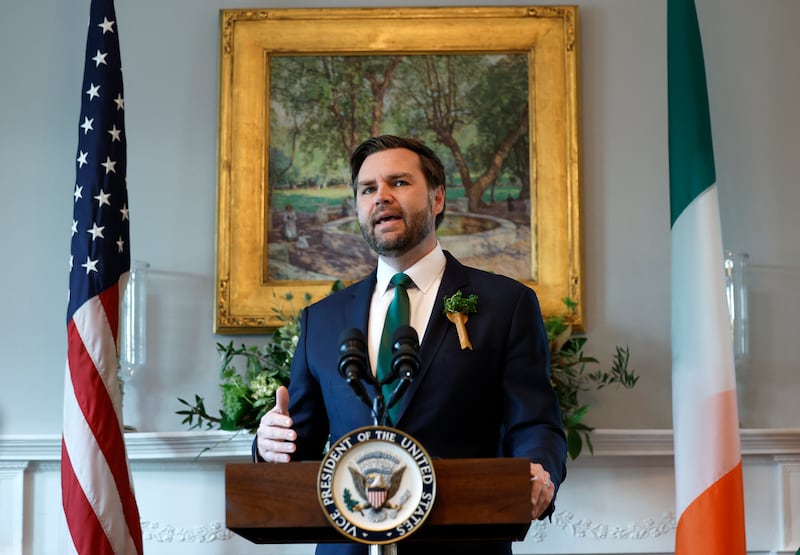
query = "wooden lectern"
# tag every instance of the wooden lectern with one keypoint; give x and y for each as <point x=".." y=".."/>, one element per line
<point x="476" y="499"/>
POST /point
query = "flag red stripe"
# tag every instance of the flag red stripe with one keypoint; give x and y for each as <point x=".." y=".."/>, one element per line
<point x="713" y="524"/>
<point x="91" y="392"/>
<point x="96" y="405"/>
<point x="110" y="299"/>
<point x="84" y="527"/>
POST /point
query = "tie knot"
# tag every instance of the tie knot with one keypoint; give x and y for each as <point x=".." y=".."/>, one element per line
<point x="401" y="280"/>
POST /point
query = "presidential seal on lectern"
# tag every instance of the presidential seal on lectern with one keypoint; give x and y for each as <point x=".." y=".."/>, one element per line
<point x="376" y="485"/>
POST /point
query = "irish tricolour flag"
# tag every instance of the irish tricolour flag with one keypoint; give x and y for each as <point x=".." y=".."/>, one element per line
<point x="708" y="462"/>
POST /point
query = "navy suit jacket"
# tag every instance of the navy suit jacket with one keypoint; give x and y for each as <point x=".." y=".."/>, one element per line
<point x="494" y="400"/>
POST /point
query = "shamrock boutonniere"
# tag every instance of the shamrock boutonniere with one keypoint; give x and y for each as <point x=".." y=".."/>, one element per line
<point x="456" y="308"/>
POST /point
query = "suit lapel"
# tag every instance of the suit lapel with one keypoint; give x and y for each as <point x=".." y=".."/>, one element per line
<point x="357" y="309"/>
<point x="454" y="278"/>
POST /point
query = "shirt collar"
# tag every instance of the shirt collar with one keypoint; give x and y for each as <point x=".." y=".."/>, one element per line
<point x="424" y="273"/>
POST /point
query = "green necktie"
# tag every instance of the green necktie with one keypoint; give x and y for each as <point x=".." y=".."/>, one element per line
<point x="396" y="316"/>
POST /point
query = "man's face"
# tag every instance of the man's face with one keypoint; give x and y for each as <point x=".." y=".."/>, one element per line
<point x="396" y="210"/>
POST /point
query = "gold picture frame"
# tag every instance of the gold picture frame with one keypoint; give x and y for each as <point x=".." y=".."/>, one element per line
<point x="246" y="300"/>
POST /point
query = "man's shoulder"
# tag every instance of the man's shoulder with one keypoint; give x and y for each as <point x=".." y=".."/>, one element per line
<point x="345" y="295"/>
<point x="492" y="276"/>
<point x="478" y="275"/>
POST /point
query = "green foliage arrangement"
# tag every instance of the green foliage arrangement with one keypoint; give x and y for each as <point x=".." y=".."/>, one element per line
<point x="570" y="377"/>
<point x="248" y="388"/>
<point x="251" y="375"/>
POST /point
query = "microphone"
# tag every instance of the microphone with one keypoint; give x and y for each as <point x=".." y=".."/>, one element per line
<point x="405" y="361"/>
<point x="353" y="361"/>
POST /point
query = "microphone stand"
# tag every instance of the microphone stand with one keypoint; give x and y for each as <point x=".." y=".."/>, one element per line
<point x="379" y="549"/>
<point x="379" y="412"/>
<point x="378" y="409"/>
<point x="351" y="366"/>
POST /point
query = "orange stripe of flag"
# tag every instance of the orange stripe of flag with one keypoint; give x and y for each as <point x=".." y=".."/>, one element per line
<point x="714" y="522"/>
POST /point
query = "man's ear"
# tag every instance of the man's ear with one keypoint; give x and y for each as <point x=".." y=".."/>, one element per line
<point x="438" y="200"/>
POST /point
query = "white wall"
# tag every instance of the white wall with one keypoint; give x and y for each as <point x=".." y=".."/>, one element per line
<point x="170" y="59"/>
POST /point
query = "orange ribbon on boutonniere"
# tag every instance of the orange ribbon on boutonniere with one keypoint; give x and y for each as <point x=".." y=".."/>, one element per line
<point x="456" y="308"/>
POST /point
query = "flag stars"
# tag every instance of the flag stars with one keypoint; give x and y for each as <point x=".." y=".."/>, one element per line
<point x="115" y="133"/>
<point x="99" y="189"/>
<point x="94" y="91"/>
<point x="100" y="58"/>
<point x="124" y="212"/>
<point x="96" y="231"/>
<point x="90" y="265"/>
<point x="102" y="199"/>
<point x="106" y="25"/>
<point x="109" y="165"/>
<point x="87" y="125"/>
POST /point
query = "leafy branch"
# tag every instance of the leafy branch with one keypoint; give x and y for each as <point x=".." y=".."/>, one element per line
<point x="250" y="376"/>
<point x="570" y="376"/>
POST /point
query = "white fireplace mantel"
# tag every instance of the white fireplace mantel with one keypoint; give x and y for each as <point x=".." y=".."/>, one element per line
<point x="619" y="500"/>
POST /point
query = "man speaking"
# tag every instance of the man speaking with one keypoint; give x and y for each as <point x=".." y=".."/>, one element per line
<point x="490" y="398"/>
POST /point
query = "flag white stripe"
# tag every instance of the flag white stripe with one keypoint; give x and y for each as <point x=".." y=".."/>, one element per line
<point x="702" y="351"/>
<point x="89" y="465"/>
<point x="94" y="330"/>
<point x="94" y="475"/>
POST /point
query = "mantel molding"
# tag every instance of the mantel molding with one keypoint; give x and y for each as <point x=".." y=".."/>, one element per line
<point x="218" y="446"/>
<point x="620" y="500"/>
<point x="659" y="442"/>
<point x="210" y="446"/>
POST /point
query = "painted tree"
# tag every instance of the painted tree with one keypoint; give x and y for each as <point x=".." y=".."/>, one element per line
<point x="476" y="106"/>
<point x="340" y="100"/>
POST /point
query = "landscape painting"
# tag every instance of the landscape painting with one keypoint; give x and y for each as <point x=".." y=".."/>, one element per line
<point x="472" y="110"/>
<point x="492" y="90"/>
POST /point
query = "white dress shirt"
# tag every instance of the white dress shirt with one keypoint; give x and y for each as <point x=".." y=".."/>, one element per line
<point x="427" y="276"/>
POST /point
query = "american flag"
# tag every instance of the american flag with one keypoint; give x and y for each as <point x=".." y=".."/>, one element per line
<point x="97" y="493"/>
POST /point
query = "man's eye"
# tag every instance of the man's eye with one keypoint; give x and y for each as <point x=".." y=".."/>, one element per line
<point x="400" y="183"/>
<point x="367" y="190"/>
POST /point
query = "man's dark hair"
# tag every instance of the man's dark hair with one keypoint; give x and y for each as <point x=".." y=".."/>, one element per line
<point x="432" y="167"/>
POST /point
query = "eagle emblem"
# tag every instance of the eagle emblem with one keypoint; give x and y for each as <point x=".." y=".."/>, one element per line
<point x="376" y="487"/>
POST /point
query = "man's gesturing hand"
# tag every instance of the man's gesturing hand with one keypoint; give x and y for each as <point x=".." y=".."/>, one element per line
<point x="275" y="436"/>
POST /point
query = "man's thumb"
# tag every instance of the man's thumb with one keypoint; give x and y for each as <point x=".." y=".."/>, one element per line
<point x="282" y="400"/>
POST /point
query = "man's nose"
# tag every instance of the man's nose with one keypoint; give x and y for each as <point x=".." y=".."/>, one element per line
<point x="383" y="193"/>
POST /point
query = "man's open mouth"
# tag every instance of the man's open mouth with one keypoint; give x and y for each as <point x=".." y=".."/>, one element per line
<point x="386" y="218"/>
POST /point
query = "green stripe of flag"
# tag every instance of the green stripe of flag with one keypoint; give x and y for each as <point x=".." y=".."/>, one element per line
<point x="691" y="152"/>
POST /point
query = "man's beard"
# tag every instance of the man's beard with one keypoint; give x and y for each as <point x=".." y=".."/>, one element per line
<point x="418" y="226"/>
